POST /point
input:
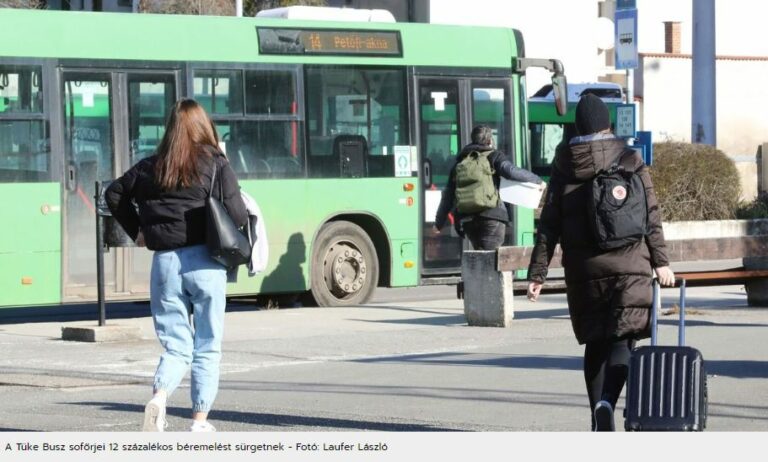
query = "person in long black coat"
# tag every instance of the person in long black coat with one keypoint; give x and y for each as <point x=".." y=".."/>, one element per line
<point x="609" y="291"/>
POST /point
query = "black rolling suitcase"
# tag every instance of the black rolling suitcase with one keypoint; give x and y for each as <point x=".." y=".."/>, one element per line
<point x="667" y="385"/>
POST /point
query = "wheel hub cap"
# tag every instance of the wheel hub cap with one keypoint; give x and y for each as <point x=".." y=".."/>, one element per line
<point x="345" y="269"/>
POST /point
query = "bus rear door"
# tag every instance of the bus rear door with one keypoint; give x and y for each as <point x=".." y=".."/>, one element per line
<point x="111" y="120"/>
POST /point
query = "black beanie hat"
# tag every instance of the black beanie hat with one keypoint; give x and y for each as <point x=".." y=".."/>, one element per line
<point x="591" y="115"/>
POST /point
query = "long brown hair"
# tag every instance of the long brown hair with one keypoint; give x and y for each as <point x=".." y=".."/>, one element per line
<point x="189" y="133"/>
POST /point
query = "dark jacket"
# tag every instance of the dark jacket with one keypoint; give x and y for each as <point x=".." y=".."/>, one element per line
<point x="502" y="166"/>
<point x="172" y="219"/>
<point x="609" y="292"/>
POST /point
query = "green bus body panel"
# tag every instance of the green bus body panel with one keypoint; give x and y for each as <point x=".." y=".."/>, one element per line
<point x="544" y="112"/>
<point x="30" y="244"/>
<point x="292" y="221"/>
<point x="58" y="34"/>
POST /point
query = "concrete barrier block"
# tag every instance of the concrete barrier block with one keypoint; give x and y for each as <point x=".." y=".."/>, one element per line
<point x="488" y="293"/>
<point x="757" y="289"/>
<point x="757" y="292"/>
<point x="111" y="333"/>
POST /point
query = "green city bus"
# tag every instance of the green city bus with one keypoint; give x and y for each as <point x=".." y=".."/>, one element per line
<point x="548" y="128"/>
<point x="342" y="132"/>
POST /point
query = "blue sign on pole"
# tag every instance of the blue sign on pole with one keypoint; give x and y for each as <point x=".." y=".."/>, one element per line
<point x="625" y="26"/>
<point x="625" y="4"/>
<point x="625" y="121"/>
<point x="646" y="139"/>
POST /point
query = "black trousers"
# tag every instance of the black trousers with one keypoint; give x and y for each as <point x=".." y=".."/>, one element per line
<point x="606" y="365"/>
<point x="485" y="233"/>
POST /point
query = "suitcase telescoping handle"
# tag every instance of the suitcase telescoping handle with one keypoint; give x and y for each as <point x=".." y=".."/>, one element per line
<point x="655" y="313"/>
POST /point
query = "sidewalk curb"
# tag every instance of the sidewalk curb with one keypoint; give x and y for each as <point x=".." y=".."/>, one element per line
<point x="98" y="334"/>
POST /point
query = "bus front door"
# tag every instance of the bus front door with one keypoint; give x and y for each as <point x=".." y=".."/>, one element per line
<point x="441" y="131"/>
<point x="111" y="120"/>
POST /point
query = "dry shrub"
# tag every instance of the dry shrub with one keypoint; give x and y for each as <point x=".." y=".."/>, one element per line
<point x="218" y="7"/>
<point x="24" y="4"/>
<point x="694" y="182"/>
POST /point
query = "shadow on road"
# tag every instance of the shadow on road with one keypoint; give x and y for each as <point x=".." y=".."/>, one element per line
<point x="275" y="420"/>
<point x="456" y="319"/>
<point x="728" y="368"/>
<point x="469" y="359"/>
<point x="738" y="369"/>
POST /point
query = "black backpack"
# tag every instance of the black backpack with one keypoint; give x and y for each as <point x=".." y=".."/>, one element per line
<point x="618" y="208"/>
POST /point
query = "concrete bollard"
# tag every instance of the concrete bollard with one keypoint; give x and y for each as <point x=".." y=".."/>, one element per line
<point x="757" y="289"/>
<point x="488" y="293"/>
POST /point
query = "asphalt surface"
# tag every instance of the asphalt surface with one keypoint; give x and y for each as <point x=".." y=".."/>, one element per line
<point x="407" y="362"/>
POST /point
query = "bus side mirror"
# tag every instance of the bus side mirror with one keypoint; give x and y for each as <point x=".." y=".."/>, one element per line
<point x="560" y="91"/>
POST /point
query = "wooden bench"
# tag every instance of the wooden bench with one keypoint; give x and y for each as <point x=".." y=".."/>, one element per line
<point x="488" y="285"/>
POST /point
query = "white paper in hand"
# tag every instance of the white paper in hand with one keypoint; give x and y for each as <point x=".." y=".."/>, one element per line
<point x="519" y="193"/>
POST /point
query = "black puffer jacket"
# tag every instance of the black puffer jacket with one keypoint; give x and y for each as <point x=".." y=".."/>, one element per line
<point x="609" y="292"/>
<point x="502" y="166"/>
<point x="172" y="219"/>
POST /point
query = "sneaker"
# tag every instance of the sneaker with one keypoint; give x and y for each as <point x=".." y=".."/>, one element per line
<point x="604" y="417"/>
<point x="201" y="426"/>
<point x="154" y="416"/>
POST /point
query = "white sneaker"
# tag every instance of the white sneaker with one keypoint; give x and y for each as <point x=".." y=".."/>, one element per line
<point x="154" y="416"/>
<point x="201" y="426"/>
<point x="604" y="417"/>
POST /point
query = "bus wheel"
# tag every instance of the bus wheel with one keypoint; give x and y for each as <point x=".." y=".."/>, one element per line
<point x="345" y="267"/>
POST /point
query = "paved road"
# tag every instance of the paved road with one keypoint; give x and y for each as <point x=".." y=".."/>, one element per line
<point x="402" y="363"/>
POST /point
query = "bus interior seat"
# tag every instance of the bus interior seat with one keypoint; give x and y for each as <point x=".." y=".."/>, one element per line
<point x="260" y="168"/>
<point x="240" y="162"/>
<point x="352" y="153"/>
<point x="285" y="166"/>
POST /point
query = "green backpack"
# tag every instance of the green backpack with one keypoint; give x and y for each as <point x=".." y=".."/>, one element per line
<point x="475" y="191"/>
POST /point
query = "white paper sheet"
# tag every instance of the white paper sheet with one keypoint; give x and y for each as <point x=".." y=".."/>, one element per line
<point x="519" y="193"/>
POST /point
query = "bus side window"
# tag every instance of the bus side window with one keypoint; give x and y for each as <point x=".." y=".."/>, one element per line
<point x="544" y="141"/>
<point x="352" y="101"/>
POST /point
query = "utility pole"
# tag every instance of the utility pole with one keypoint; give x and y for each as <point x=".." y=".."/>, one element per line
<point x="703" y="76"/>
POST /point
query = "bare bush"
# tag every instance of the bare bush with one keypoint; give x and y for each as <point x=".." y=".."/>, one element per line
<point x="218" y="7"/>
<point x="208" y="7"/>
<point x="27" y="4"/>
<point x="694" y="182"/>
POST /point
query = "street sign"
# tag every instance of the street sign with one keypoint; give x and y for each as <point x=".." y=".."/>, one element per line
<point x="625" y="121"/>
<point x="645" y="138"/>
<point x="626" y="4"/>
<point x="626" y="39"/>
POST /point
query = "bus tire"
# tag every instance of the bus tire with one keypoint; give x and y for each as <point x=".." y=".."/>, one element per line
<point x="344" y="266"/>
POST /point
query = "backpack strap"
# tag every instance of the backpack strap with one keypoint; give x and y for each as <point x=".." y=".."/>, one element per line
<point x="623" y="162"/>
<point x="625" y="158"/>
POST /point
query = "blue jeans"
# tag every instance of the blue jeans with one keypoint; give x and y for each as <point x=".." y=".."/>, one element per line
<point x="182" y="281"/>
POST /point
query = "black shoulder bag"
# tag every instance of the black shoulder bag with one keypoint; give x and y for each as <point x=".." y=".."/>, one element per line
<point x="226" y="243"/>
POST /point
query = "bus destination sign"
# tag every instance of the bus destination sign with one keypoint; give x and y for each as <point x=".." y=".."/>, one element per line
<point x="328" y="42"/>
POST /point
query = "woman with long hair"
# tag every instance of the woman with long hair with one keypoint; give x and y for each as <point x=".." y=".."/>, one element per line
<point x="170" y="189"/>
